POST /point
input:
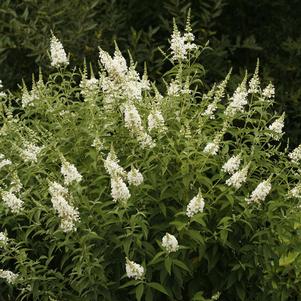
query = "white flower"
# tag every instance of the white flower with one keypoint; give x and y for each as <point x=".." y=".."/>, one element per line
<point x="254" y="84"/>
<point x="134" y="270"/>
<point x="295" y="192"/>
<point x="295" y="155"/>
<point x="2" y="95"/>
<point x="132" y="118"/>
<point x="3" y="161"/>
<point x="238" y="178"/>
<point x="209" y="112"/>
<point x="211" y="148"/>
<point x="181" y="45"/>
<point x="112" y="167"/>
<point x="70" y="173"/>
<point x="15" y="185"/>
<point x="119" y="190"/>
<point x="156" y="121"/>
<point x="232" y="165"/>
<point x="9" y="276"/>
<point x="57" y="53"/>
<point x="30" y="152"/>
<point x="260" y="192"/>
<point x="170" y="243"/>
<point x="195" y="206"/>
<point x="89" y="88"/>
<point x="67" y="213"/>
<point x="174" y="88"/>
<point x="239" y="99"/>
<point x="98" y="144"/>
<point x="135" y="177"/>
<point x="3" y="239"/>
<point x="269" y="91"/>
<point x="12" y="202"/>
<point x="276" y="127"/>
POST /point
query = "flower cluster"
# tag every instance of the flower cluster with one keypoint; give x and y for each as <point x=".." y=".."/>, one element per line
<point x="70" y="173"/>
<point x="3" y="161"/>
<point x="276" y="128"/>
<point x="3" y="239"/>
<point x="239" y="99"/>
<point x="68" y="214"/>
<point x="9" y="276"/>
<point x="170" y="243"/>
<point x="232" y="165"/>
<point x="238" y="178"/>
<point x="134" y="270"/>
<point x="180" y="45"/>
<point x="30" y="152"/>
<point x="133" y="123"/>
<point x="269" y="91"/>
<point x="89" y="87"/>
<point x="156" y="121"/>
<point x="260" y="192"/>
<point x="57" y="53"/>
<point x="295" y="155"/>
<point x="135" y="177"/>
<point x="12" y="202"/>
<point x="118" y="81"/>
<point x="196" y="205"/>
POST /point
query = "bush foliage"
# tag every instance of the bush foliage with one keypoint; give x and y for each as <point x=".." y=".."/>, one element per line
<point x="98" y="167"/>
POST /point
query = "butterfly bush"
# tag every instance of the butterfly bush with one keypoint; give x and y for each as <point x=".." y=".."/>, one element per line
<point x="99" y="166"/>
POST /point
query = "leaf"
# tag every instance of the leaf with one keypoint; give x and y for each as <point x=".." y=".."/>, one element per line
<point x="181" y="265"/>
<point x="139" y="291"/>
<point x="158" y="287"/>
<point x="286" y="260"/>
<point x="168" y="264"/>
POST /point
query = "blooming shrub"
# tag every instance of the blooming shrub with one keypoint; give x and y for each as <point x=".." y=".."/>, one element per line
<point x="112" y="190"/>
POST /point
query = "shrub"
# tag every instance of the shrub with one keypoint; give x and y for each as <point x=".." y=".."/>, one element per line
<point x="114" y="190"/>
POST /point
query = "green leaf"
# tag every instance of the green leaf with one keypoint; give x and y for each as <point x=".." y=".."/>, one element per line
<point x="181" y="265"/>
<point x="158" y="287"/>
<point x="139" y="291"/>
<point x="286" y="260"/>
<point x="168" y="264"/>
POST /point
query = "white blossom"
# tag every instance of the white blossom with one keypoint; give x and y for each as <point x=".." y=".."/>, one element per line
<point x="269" y="91"/>
<point x="28" y="97"/>
<point x="30" y="152"/>
<point x="232" y="165"/>
<point x="238" y="178"/>
<point x="211" y="148"/>
<point x="254" y="84"/>
<point x="135" y="177"/>
<point x="112" y="167"/>
<point x="119" y="190"/>
<point x="196" y="205"/>
<point x="98" y="144"/>
<point x="12" y="202"/>
<point x="174" y="88"/>
<point x="156" y="121"/>
<point x="9" y="276"/>
<point x="295" y="192"/>
<point x="57" y="53"/>
<point x="134" y="270"/>
<point x="67" y="213"/>
<point x="276" y="127"/>
<point x="239" y="99"/>
<point x="170" y="243"/>
<point x="3" y="161"/>
<point x="132" y="118"/>
<point x="89" y="88"/>
<point x="70" y="173"/>
<point x="295" y="155"/>
<point x="3" y="239"/>
<point x="181" y="45"/>
<point x="260" y="192"/>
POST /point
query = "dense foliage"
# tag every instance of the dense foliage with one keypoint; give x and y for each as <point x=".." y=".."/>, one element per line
<point x="112" y="190"/>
